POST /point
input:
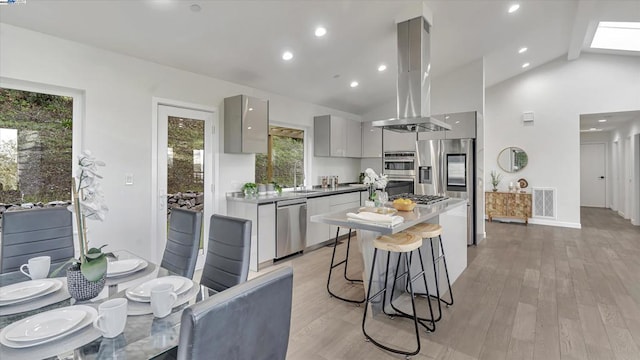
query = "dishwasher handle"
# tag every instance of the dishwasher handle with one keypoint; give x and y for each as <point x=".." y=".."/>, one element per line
<point x="286" y="203"/>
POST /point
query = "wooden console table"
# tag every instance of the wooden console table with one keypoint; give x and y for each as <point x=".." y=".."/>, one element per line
<point x="508" y="205"/>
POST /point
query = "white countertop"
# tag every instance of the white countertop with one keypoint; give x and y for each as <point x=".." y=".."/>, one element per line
<point x="421" y="213"/>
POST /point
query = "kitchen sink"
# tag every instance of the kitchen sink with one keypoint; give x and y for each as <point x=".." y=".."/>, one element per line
<point x="305" y="191"/>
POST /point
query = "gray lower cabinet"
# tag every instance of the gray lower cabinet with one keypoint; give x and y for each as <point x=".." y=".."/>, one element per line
<point x="263" y="229"/>
<point x="266" y="232"/>
<point x="317" y="232"/>
<point x="340" y="203"/>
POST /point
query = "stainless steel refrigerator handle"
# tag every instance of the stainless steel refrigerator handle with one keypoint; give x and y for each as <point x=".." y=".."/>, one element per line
<point x="470" y="219"/>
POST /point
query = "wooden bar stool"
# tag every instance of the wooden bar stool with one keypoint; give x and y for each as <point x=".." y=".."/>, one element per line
<point x="402" y="243"/>
<point x="431" y="231"/>
<point x="346" y="264"/>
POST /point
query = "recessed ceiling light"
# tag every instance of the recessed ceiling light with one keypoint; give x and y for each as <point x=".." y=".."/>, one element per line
<point x="602" y="120"/>
<point x="525" y="65"/>
<point x="195" y="8"/>
<point x="382" y="67"/>
<point x="522" y="49"/>
<point x="250" y="109"/>
<point x="446" y="117"/>
<point x="458" y="122"/>
<point x="593" y="129"/>
<point x="287" y="55"/>
<point x="320" y="31"/>
<point x="248" y="127"/>
<point x="513" y="8"/>
<point x="354" y="84"/>
<point x="614" y="35"/>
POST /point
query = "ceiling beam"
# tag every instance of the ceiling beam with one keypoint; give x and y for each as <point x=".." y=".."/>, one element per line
<point x="584" y="16"/>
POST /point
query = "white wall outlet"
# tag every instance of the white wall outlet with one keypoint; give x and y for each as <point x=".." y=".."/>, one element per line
<point x="128" y="179"/>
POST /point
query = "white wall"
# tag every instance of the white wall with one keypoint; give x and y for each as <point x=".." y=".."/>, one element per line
<point x="557" y="92"/>
<point x="117" y="122"/>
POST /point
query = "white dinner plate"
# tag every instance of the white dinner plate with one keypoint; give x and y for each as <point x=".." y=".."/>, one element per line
<point x="90" y="315"/>
<point x="55" y="286"/>
<point x="23" y="290"/>
<point x="45" y="325"/>
<point x="142" y="292"/>
<point x="125" y="267"/>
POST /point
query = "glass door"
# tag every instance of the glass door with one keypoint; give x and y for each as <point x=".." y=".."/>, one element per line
<point x="185" y="169"/>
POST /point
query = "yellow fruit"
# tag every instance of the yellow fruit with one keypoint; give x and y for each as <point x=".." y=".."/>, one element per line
<point x="407" y="201"/>
<point x="398" y="201"/>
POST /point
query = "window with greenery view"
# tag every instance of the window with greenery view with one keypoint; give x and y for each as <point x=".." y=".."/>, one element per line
<point x="35" y="147"/>
<point x="285" y="155"/>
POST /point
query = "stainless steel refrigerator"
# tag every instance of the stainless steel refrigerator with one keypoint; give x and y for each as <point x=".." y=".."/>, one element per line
<point x="447" y="168"/>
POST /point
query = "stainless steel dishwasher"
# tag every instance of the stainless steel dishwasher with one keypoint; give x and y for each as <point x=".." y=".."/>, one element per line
<point x="291" y="227"/>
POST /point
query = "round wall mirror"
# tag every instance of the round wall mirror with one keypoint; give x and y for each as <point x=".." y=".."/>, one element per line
<point x="512" y="159"/>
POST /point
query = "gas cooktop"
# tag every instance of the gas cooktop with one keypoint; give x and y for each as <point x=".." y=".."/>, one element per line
<point x="420" y="199"/>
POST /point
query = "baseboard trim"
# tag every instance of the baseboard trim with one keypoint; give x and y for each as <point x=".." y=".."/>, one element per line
<point x="555" y="223"/>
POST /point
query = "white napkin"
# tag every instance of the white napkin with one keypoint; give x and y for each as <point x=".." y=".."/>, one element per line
<point x="370" y="217"/>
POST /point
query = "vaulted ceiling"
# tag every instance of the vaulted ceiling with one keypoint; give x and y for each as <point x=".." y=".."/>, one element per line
<point x="242" y="41"/>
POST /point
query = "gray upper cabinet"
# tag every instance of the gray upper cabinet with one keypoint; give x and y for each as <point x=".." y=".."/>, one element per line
<point x="246" y="125"/>
<point x="336" y="137"/>
<point x="463" y="126"/>
<point x="371" y="141"/>
<point x="395" y="141"/>
<point x="354" y="139"/>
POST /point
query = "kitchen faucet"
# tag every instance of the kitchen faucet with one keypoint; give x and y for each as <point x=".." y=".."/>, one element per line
<point x="295" y="174"/>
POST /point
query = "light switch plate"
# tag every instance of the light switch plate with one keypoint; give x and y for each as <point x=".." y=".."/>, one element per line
<point x="128" y="179"/>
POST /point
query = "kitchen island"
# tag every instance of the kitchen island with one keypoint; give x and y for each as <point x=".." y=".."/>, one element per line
<point x="450" y="214"/>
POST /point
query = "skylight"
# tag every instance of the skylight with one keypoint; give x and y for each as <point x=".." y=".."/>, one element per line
<point x="612" y="35"/>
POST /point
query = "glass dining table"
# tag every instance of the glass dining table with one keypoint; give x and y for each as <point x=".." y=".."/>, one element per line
<point x="144" y="337"/>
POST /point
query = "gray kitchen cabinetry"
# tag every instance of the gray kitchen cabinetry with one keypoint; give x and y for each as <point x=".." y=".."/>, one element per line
<point x="246" y="125"/>
<point x="395" y="141"/>
<point x="463" y="126"/>
<point x="339" y="203"/>
<point x="266" y="232"/>
<point x="317" y="232"/>
<point x="354" y="139"/>
<point x="334" y="136"/>
<point x="263" y="230"/>
<point x="371" y="141"/>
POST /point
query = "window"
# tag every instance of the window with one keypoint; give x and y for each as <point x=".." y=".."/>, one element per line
<point x="284" y="158"/>
<point x="36" y="141"/>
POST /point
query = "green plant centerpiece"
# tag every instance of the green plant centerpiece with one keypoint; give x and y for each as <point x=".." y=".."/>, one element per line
<point x="86" y="276"/>
<point x="277" y="187"/>
<point x="495" y="179"/>
<point x="250" y="189"/>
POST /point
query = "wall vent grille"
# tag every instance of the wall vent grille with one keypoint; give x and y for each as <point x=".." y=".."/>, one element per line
<point x="544" y="203"/>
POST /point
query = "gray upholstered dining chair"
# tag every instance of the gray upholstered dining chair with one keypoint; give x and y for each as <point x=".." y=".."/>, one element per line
<point x="183" y="240"/>
<point x="249" y="321"/>
<point x="35" y="232"/>
<point x="227" y="262"/>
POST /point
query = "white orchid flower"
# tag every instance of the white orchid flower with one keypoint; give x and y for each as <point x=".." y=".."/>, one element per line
<point x="92" y="200"/>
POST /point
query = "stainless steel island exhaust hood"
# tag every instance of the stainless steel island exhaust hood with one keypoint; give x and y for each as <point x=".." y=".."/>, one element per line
<point x="414" y="82"/>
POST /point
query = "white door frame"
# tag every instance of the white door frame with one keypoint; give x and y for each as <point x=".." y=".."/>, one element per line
<point x="156" y="250"/>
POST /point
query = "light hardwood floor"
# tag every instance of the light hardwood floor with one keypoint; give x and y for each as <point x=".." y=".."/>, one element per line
<point x="529" y="292"/>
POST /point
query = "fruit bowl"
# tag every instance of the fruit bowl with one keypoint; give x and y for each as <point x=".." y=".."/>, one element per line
<point x="404" y="207"/>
